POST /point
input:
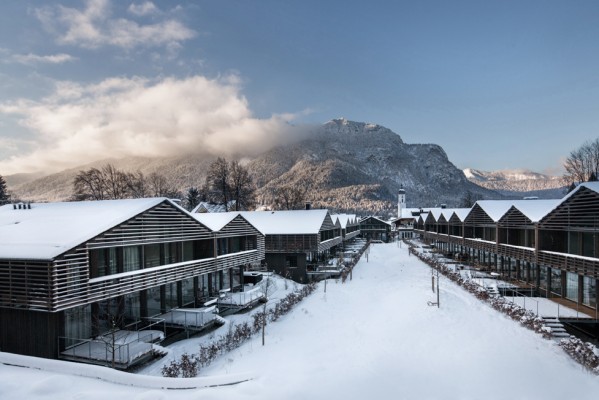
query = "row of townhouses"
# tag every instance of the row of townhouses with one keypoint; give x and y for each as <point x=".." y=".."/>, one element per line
<point x="71" y="272"/>
<point x="551" y="246"/>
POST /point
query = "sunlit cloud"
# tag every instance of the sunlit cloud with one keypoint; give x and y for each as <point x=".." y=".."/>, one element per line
<point x="142" y="9"/>
<point x="94" y="27"/>
<point x="121" y="117"/>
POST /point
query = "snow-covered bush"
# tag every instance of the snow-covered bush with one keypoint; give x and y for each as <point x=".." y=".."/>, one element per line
<point x="188" y="366"/>
<point x="586" y="354"/>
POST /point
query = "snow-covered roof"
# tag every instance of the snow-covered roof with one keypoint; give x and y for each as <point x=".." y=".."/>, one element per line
<point x="215" y="221"/>
<point x="461" y="213"/>
<point x="407" y="212"/>
<point x="535" y="210"/>
<point x="292" y="222"/>
<point x="377" y="218"/>
<point x="49" y="229"/>
<point x="594" y="186"/>
<point x="344" y="219"/>
<point x="206" y="207"/>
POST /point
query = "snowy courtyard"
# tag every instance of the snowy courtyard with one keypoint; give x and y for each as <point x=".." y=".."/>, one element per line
<point x="373" y="337"/>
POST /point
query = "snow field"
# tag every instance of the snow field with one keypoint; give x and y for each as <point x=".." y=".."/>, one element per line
<point x="372" y="337"/>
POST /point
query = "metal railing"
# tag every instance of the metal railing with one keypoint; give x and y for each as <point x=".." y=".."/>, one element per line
<point x="120" y="348"/>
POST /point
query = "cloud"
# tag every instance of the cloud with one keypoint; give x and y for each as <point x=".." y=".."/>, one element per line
<point x="94" y="27"/>
<point x="143" y="9"/>
<point x="30" y="59"/>
<point x="121" y="117"/>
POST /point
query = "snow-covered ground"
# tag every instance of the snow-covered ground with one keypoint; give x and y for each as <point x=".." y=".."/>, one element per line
<point x="372" y="338"/>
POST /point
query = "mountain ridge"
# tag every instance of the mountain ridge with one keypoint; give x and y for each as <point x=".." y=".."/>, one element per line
<point x="344" y="166"/>
<point x="518" y="182"/>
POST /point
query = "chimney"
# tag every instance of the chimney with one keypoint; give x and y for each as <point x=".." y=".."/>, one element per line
<point x="308" y="206"/>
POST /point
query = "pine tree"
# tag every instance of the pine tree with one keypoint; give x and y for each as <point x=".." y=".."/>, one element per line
<point x="4" y="197"/>
<point x="192" y="199"/>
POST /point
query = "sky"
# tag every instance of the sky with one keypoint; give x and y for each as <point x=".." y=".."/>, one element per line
<point x="374" y="337"/>
<point x="499" y="85"/>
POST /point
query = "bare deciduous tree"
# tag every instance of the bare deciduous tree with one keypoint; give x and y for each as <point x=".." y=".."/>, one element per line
<point x="290" y="197"/>
<point x="217" y="182"/>
<point x="582" y="165"/>
<point x="109" y="183"/>
<point x="242" y="186"/>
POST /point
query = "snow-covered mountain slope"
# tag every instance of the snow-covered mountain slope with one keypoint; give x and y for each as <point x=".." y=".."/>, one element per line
<point x="518" y="182"/>
<point x="345" y="166"/>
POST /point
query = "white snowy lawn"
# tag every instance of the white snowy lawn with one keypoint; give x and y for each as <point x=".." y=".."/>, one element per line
<point x="372" y="338"/>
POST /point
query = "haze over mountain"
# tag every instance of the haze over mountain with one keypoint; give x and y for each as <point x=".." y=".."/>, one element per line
<point x="345" y="166"/>
<point x="518" y="182"/>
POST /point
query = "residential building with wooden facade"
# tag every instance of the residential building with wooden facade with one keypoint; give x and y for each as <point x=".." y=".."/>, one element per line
<point x="68" y="270"/>
<point x="349" y="224"/>
<point x="298" y="243"/>
<point x="374" y="228"/>
<point x="551" y="246"/>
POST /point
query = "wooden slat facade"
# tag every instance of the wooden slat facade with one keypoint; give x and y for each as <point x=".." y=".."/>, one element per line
<point x="34" y="294"/>
<point x="566" y="239"/>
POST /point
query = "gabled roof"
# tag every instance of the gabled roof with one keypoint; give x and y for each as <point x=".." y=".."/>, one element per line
<point x="495" y="209"/>
<point x="535" y="210"/>
<point x="460" y="213"/>
<point x="594" y="186"/>
<point x="215" y="221"/>
<point x="206" y="207"/>
<point x="292" y="222"/>
<point x="49" y="229"/>
<point x="344" y="219"/>
<point x="373" y="217"/>
<point x="532" y="209"/>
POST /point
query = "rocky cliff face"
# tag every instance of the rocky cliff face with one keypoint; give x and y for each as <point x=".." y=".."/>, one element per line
<point x="366" y="163"/>
<point x="345" y="166"/>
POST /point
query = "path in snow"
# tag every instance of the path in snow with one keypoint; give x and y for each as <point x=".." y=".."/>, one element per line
<point x="374" y="337"/>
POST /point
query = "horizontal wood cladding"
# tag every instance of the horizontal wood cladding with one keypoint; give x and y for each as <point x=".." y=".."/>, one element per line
<point x="322" y="246"/>
<point x="26" y="284"/>
<point x="327" y="224"/>
<point x="352" y="235"/>
<point x="581" y="266"/>
<point x="291" y="243"/>
<point x="518" y="253"/>
<point x="160" y="224"/>
<point x="581" y="210"/>
<point x="238" y="227"/>
<point x="515" y="219"/>
<point x="478" y="217"/>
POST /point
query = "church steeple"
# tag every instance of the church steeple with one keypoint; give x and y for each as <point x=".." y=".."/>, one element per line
<point x="401" y="200"/>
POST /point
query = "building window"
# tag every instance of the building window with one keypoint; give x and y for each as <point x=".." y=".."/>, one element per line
<point x="170" y="296"/>
<point x="222" y="246"/>
<point x="589" y="291"/>
<point x="132" y="307"/>
<point x="187" y="251"/>
<point x="556" y="281"/>
<point x="153" y="295"/>
<point x="151" y="255"/>
<point x="291" y="262"/>
<point x="103" y="262"/>
<point x="572" y="286"/>
<point x="187" y="291"/>
<point x="543" y="277"/>
<point x="77" y="324"/>
<point x="131" y="258"/>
